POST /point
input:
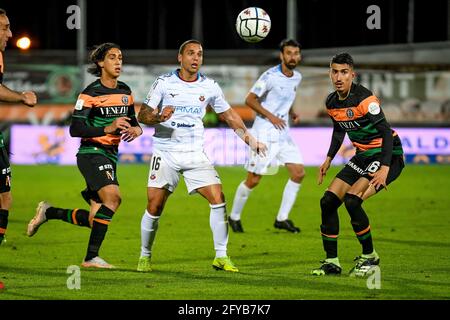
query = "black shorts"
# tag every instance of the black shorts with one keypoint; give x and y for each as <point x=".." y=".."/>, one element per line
<point x="360" y="166"/>
<point x="97" y="170"/>
<point x="5" y="171"/>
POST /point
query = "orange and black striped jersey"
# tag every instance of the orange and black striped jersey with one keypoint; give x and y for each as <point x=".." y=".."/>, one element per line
<point x="97" y="107"/>
<point x="360" y="116"/>
<point x="1" y="67"/>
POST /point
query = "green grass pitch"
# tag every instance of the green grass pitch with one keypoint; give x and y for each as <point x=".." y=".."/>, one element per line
<point x="410" y="225"/>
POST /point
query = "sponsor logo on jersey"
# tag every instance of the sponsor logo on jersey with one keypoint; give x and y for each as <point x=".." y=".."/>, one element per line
<point x="114" y="111"/>
<point x="355" y="167"/>
<point x="188" y="109"/>
<point x="181" y="125"/>
<point x="349" y="125"/>
<point x="173" y="94"/>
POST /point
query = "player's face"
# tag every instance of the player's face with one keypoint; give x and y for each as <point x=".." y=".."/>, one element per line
<point x="112" y="64"/>
<point x="290" y="57"/>
<point x="5" y="31"/>
<point x="192" y="58"/>
<point x="342" y="76"/>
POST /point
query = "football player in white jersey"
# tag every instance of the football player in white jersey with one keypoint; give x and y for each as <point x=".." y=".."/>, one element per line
<point x="175" y="105"/>
<point x="272" y="97"/>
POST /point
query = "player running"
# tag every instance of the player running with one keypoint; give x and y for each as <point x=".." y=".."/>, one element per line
<point x="104" y="114"/>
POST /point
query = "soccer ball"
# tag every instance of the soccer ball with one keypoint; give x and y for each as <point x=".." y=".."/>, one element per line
<point x="253" y="24"/>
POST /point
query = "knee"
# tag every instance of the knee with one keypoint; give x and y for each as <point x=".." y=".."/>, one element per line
<point x="252" y="181"/>
<point x="298" y="175"/>
<point x="155" y="208"/>
<point x="329" y="202"/>
<point x="352" y="201"/>
<point x="218" y="198"/>
<point x="113" y="201"/>
<point x="6" y="200"/>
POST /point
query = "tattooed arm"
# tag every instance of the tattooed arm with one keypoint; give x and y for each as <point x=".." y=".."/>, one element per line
<point x="147" y="115"/>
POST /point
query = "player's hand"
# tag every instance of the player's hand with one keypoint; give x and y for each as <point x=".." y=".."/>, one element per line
<point x="295" y="118"/>
<point x="166" y="113"/>
<point x="119" y="125"/>
<point x="131" y="133"/>
<point x="379" y="177"/>
<point x="277" y="122"/>
<point x="260" y="148"/>
<point x="323" y="170"/>
<point x="29" y="98"/>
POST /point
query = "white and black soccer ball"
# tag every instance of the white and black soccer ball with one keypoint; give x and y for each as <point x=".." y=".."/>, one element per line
<point x="253" y="24"/>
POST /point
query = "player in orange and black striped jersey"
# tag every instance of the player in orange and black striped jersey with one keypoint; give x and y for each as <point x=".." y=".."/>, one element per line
<point x="7" y="95"/>
<point x="104" y="115"/>
<point x="378" y="161"/>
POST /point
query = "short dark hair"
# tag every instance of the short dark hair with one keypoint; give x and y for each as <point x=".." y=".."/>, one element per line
<point x="184" y="44"/>
<point x="2" y="11"/>
<point x="289" y="42"/>
<point x="99" y="54"/>
<point x="342" y="58"/>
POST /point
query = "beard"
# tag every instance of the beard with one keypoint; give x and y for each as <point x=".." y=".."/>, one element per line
<point x="291" y="65"/>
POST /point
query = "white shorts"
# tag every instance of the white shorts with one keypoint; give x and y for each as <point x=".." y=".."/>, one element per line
<point x="166" y="167"/>
<point x="278" y="153"/>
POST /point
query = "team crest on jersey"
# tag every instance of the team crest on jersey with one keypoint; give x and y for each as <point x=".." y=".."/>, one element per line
<point x="152" y="177"/>
<point x="202" y="98"/>
<point x="350" y="113"/>
<point x="125" y="99"/>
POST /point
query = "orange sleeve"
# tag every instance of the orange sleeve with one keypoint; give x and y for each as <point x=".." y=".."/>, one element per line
<point x="363" y="106"/>
<point x="88" y="101"/>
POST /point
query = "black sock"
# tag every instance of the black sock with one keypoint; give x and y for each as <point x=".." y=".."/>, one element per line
<point x="360" y="222"/>
<point x="3" y="223"/>
<point x="99" y="227"/>
<point x="330" y="223"/>
<point x="78" y="217"/>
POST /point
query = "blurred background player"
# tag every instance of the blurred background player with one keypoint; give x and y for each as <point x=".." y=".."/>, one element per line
<point x="183" y="96"/>
<point x="272" y="97"/>
<point x="378" y="161"/>
<point x="104" y="114"/>
<point x="7" y="95"/>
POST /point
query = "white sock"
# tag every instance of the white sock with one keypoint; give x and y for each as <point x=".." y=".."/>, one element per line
<point x="289" y="196"/>
<point x="240" y="198"/>
<point x="149" y="225"/>
<point x="219" y="228"/>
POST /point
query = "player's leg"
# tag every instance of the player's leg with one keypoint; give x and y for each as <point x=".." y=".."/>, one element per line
<point x="110" y="202"/>
<point x="217" y="221"/>
<point x="163" y="178"/>
<point x="329" y="204"/>
<point x="296" y="174"/>
<point x="80" y="217"/>
<point x="156" y="200"/>
<point x="354" y="198"/>
<point x="5" y="192"/>
<point x="240" y="199"/>
<point x="5" y="204"/>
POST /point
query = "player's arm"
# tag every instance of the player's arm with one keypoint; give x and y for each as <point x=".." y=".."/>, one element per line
<point x="253" y="102"/>
<point x="336" y="141"/>
<point x="235" y="122"/>
<point x="149" y="116"/>
<point x="80" y="128"/>
<point x="28" y="98"/>
<point x="380" y="176"/>
<point x="135" y="129"/>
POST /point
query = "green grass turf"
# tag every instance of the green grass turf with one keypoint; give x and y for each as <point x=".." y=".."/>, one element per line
<point x="410" y="225"/>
